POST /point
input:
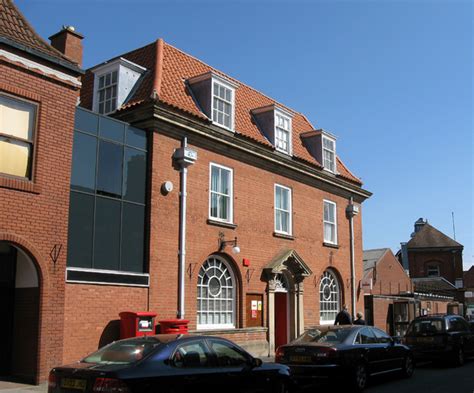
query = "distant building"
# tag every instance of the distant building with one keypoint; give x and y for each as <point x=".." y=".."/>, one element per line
<point x="389" y="297"/>
<point x="433" y="260"/>
<point x="469" y="294"/>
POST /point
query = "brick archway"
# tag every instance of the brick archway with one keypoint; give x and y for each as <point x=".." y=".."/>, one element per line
<point x="21" y="297"/>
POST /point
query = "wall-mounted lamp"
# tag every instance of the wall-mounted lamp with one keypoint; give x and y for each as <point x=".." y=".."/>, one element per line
<point x="223" y="243"/>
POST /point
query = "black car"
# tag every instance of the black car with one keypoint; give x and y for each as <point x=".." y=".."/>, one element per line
<point x="440" y="338"/>
<point x="170" y="363"/>
<point x="344" y="353"/>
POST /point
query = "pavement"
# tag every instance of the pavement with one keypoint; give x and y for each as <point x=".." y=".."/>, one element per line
<point x="13" y="387"/>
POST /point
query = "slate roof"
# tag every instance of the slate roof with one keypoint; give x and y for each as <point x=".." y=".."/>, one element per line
<point x="436" y="285"/>
<point x="15" y="30"/>
<point x="168" y="70"/>
<point x="371" y="257"/>
<point x="429" y="237"/>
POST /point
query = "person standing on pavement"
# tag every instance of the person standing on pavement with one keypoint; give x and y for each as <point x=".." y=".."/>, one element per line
<point x="360" y="320"/>
<point x="343" y="317"/>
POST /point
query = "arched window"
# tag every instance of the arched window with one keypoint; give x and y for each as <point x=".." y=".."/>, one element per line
<point x="216" y="301"/>
<point x="329" y="298"/>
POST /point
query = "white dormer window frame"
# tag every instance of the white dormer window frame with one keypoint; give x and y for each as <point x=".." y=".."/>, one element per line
<point x="283" y="127"/>
<point x="113" y="82"/>
<point x="328" y="154"/>
<point x="223" y="103"/>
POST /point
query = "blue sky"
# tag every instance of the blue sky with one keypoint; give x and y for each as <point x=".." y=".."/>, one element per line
<point x="393" y="80"/>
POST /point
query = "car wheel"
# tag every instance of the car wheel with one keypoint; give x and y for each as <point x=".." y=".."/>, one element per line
<point x="359" y="377"/>
<point x="458" y="357"/>
<point x="408" y="367"/>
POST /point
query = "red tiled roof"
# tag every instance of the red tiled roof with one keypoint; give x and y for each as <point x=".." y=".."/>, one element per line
<point x="170" y="68"/>
<point x="15" y="27"/>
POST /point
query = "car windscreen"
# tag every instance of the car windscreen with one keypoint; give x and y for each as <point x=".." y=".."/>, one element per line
<point x="335" y="336"/>
<point x="123" y="352"/>
<point x="426" y="326"/>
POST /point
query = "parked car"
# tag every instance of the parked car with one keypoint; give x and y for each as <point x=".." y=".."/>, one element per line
<point x="344" y="353"/>
<point x="440" y="337"/>
<point x="170" y="363"/>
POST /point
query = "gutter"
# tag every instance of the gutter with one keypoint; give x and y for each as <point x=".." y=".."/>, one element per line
<point x="63" y="63"/>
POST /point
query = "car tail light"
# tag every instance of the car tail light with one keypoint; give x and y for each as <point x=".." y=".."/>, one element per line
<point x="279" y="354"/>
<point x="109" y="385"/>
<point x="52" y="381"/>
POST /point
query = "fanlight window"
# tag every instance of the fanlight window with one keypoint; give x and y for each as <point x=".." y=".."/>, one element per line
<point x="216" y="295"/>
<point x="329" y="298"/>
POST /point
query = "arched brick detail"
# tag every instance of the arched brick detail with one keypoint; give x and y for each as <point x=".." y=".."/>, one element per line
<point x="31" y="251"/>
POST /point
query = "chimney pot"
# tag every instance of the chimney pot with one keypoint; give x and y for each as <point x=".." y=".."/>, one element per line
<point x="68" y="42"/>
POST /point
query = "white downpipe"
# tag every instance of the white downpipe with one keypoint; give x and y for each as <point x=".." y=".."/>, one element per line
<point x="353" y="280"/>
<point x="182" y="235"/>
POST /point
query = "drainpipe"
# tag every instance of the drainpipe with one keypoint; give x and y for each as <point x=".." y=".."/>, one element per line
<point x="183" y="157"/>
<point x="352" y="211"/>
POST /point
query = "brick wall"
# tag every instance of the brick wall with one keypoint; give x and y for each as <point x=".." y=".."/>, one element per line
<point x="389" y="277"/>
<point x="254" y="217"/>
<point x="91" y="316"/>
<point x="34" y="214"/>
<point x="450" y="263"/>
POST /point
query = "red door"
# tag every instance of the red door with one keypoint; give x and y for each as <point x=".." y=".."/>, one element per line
<point x="281" y="319"/>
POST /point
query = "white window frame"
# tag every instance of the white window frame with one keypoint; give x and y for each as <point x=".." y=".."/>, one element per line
<point x="228" y="86"/>
<point x="431" y="268"/>
<point x="234" y="298"/>
<point x="277" y="114"/>
<point x="230" y="220"/>
<point x="97" y="89"/>
<point x="330" y="223"/>
<point x="335" y="304"/>
<point x="332" y="170"/>
<point x="289" y="211"/>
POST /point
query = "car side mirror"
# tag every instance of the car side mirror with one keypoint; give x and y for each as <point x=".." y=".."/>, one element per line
<point x="256" y="362"/>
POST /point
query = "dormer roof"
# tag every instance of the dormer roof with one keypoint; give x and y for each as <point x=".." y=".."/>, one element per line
<point x="171" y="71"/>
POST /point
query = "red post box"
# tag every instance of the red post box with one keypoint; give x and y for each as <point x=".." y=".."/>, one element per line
<point x="136" y="324"/>
<point x="174" y="326"/>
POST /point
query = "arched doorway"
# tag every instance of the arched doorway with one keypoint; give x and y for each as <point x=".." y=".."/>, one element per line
<point x="19" y="308"/>
<point x="285" y="275"/>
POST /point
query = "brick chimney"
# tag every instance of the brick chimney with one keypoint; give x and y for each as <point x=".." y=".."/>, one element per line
<point x="69" y="42"/>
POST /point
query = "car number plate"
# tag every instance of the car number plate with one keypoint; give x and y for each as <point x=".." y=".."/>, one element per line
<point x="425" y="339"/>
<point x="69" y="383"/>
<point x="300" y="359"/>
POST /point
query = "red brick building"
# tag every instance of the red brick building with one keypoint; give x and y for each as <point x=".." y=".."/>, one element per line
<point x="260" y="177"/>
<point x="257" y="176"/>
<point x="390" y="298"/>
<point x="434" y="261"/>
<point x="39" y="87"/>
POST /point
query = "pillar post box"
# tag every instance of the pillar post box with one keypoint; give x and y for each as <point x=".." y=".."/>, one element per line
<point x="137" y="324"/>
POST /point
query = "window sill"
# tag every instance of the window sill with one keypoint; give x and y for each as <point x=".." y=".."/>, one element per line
<point x="230" y="330"/>
<point x="19" y="184"/>
<point x="330" y="245"/>
<point x="221" y="224"/>
<point x="283" y="236"/>
<point x="106" y="277"/>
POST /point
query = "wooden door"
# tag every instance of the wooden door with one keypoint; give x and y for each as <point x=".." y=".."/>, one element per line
<point x="281" y="319"/>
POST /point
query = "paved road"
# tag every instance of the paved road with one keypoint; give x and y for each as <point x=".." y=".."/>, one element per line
<point x="429" y="378"/>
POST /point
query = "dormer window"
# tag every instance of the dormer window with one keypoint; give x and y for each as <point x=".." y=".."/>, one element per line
<point x="113" y="83"/>
<point x="215" y="96"/>
<point x="107" y="92"/>
<point x="329" y="154"/>
<point x="222" y="104"/>
<point x="282" y="133"/>
<point x="322" y="146"/>
<point x="275" y="123"/>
